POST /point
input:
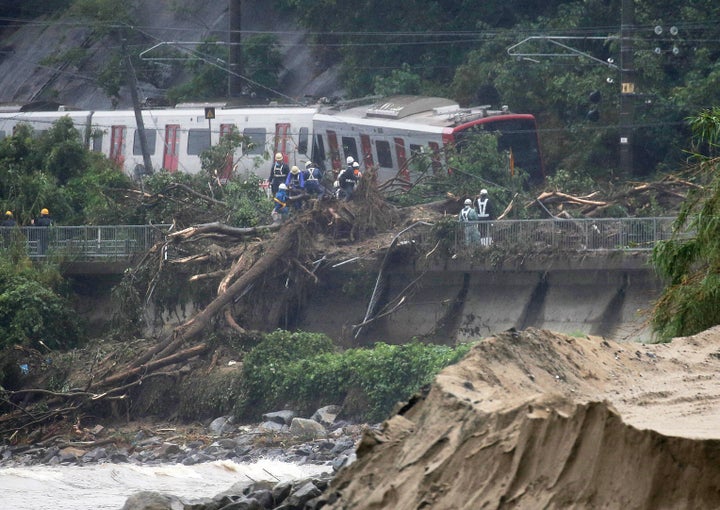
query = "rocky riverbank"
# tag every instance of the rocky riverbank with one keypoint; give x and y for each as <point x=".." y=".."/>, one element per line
<point x="282" y="436"/>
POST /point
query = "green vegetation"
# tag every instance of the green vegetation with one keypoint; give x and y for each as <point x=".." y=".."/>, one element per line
<point x="304" y="371"/>
<point x="34" y="307"/>
<point x="690" y="302"/>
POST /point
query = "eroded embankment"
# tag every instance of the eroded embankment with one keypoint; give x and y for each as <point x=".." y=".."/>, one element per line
<point x="535" y="420"/>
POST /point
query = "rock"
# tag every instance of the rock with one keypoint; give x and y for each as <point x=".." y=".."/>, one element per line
<point x="326" y="415"/>
<point x="304" y="428"/>
<point x="270" y="426"/>
<point x="70" y="454"/>
<point x="282" y="417"/>
<point x="148" y="500"/>
<point x="95" y="455"/>
<point x="221" y="425"/>
<point x="281" y="491"/>
<point x="302" y="494"/>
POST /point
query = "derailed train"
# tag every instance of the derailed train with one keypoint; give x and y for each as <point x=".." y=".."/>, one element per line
<point x="385" y="134"/>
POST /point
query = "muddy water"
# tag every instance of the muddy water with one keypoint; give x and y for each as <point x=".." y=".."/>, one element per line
<point x="107" y="486"/>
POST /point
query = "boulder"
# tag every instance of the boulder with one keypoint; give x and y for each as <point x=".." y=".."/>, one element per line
<point x="149" y="500"/>
<point x="307" y="429"/>
<point x="282" y="417"/>
<point x="326" y="415"/>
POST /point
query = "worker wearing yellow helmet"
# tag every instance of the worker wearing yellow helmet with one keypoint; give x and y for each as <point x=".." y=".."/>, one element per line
<point x="42" y="235"/>
<point x="9" y="221"/>
<point x="44" y="220"/>
<point x="279" y="172"/>
<point x="295" y="183"/>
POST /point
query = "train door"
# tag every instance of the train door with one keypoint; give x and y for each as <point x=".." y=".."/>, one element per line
<point x="334" y="152"/>
<point x="172" y="144"/>
<point x="350" y="148"/>
<point x="226" y="173"/>
<point x="117" y="145"/>
<point x="366" y="147"/>
<point x="401" y="156"/>
<point x="281" y="139"/>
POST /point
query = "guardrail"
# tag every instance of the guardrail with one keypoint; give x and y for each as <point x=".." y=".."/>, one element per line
<point x="83" y="243"/>
<point x="560" y="235"/>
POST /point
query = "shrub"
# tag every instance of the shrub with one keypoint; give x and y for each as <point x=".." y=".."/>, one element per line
<point x="303" y="371"/>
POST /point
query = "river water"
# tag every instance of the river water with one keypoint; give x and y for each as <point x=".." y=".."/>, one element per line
<point x="107" y="486"/>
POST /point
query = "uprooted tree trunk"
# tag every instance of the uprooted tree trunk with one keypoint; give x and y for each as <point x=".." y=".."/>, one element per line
<point x="276" y="249"/>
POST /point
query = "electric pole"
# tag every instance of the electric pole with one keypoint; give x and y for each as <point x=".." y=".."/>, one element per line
<point x="627" y="83"/>
<point x="138" y="112"/>
<point x="235" y="48"/>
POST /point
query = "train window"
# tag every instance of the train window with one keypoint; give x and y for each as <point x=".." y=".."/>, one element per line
<point x="350" y="147"/>
<point x="150" y="138"/>
<point x="97" y="141"/>
<point x="198" y="141"/>
<point x="2" y="135"/>
<point x="257" y="138"/>
<point x="303" y="140"/>
<point x="415" y="150"/>
<point x="384" y="154"/>
<point x="319" y="150"/>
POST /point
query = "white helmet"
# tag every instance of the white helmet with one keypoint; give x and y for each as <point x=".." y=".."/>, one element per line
<point x="483" y="191"/>
<point x="308" y="164"/>
<point x="294" y="170"/>
<point x="350" y="160"/>
<point x="356" y="165"/>
<point x="282" y="186"/>
<point x="468" y="201"/>
<point x="278" y="157"/>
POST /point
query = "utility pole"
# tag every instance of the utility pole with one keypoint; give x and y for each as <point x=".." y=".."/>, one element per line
<point x="138" y="112"/>
<point x="235" y="48"/>
<point x="627" y="83"/>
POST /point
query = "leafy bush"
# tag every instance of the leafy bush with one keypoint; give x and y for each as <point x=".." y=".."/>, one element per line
<point x="33" y="310"/>
<point x="304" y="371"/>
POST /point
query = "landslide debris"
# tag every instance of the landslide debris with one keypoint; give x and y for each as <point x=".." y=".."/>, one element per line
<point x="534" y="419"/>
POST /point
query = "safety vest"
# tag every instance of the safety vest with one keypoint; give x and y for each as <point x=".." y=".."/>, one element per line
<point x="465" y="212"/>
<point x="294" y="180"/>
<point x="312" y="176"/>
<point x="482" y="206"/>
<point x="278" y="170"/>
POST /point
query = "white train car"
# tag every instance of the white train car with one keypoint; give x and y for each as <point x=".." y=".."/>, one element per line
<point x="41" y="120"/>
<point x="386" y="134"/>
<point x="177" y="136"/>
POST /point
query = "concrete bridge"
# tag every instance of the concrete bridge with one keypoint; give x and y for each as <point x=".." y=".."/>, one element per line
<point x="570" y="276"/>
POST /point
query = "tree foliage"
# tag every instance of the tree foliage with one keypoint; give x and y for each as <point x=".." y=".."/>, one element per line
<point x="34" y="308"/>
<point x="304" y="370"/>
<point x="690" y="262"/>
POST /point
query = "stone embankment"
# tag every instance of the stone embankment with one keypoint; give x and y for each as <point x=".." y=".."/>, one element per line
<point x="282" y="436"/>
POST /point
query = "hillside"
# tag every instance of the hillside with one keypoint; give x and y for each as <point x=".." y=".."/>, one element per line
<point x="26" y="75"/>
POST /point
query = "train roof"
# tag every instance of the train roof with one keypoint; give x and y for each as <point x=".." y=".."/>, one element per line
<point x="429" y="111"/>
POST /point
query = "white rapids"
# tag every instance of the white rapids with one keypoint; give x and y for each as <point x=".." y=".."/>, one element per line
<point x="107" y="486"/>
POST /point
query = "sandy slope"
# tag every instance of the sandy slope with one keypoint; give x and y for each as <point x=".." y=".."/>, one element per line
<point x="535" y="419"/>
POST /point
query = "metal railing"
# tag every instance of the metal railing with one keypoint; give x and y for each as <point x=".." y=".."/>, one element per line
<point x="560" y="235"/>
<point x="117" y="242"/>
<point x="83" y="243"/>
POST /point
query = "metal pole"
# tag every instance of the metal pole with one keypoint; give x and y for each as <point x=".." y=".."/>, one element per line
<point x="235" y="48"/>
<point x="627" y="92"/>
